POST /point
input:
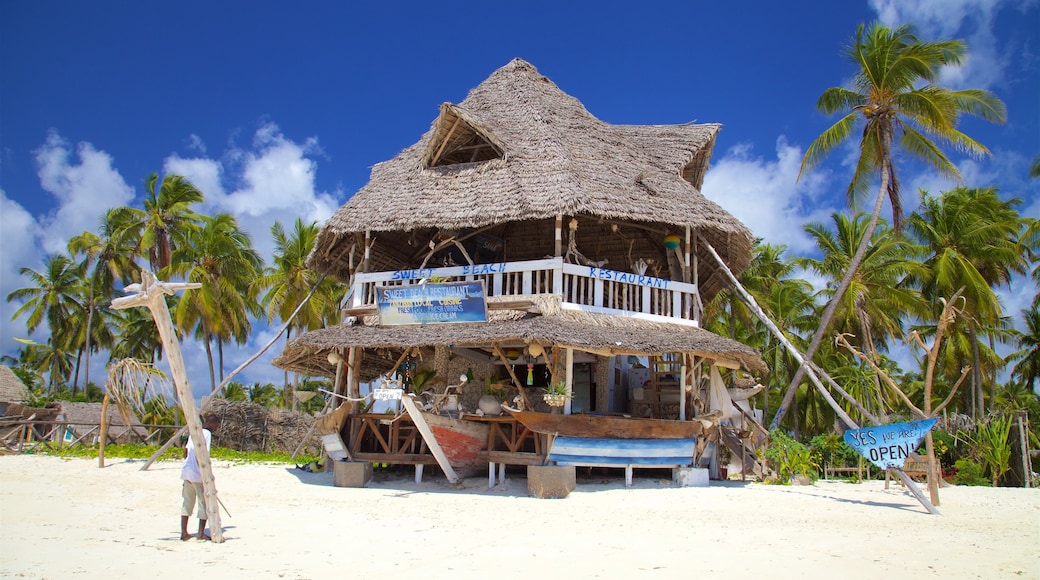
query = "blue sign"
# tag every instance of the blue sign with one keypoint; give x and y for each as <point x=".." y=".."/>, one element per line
<point x="432" y="303"/>
<point x="888" y="446"/>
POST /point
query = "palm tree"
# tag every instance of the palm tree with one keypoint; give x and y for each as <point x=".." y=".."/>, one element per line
<point x="973" y="238"/>
<point x="234" y="391"/>
<point x="289" y="281"/>
<point x="108" y="259"/>
<point x="166" y="220"/>
<point x="1027" y="367"/>
<point x="895" y="96"/>
<point x="878" y="299"/>
<point x="221" y="258"/>
<point x="792" y="307"/>
<point x="53" y="297"/>
<point x="138" y="337"/>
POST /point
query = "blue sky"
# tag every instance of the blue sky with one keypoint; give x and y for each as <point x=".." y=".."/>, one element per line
<point x="277" y="111"/>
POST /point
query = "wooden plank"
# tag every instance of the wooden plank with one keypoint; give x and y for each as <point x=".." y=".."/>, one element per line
<point x="333" y="444"/>
<point x="431" y="441"/>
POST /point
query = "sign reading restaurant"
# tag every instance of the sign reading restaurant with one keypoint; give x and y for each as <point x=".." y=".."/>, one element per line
<point x="449" y="302"/>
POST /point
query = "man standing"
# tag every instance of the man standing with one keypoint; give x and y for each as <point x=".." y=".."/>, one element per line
<point x="191" y="490"/>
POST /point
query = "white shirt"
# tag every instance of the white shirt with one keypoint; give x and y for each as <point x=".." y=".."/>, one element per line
<point x="190" y="469"/>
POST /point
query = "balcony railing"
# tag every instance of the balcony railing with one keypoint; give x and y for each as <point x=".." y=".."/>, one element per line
<point x="580" y="287"/>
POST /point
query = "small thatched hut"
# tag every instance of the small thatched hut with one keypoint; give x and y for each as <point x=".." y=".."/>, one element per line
<point x="84" y="419"/>
<point x="12" y="389"/>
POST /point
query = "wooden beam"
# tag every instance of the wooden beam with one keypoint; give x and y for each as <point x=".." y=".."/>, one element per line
<point x="444" y="143"/>
<point x="512" y="375"/>
<point x="431" y="441"/>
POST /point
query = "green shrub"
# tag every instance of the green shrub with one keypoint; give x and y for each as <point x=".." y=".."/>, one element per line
<point x="969" y="473"/>
<point x="791" y="458"/>
<point x="992" y="445"/>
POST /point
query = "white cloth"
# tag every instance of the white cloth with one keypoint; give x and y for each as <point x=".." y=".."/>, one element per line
<point x="718" y="397"/>
<point x="190" y="469"/>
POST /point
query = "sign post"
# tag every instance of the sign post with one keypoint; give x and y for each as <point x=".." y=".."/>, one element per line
<point x="889" y="446"/>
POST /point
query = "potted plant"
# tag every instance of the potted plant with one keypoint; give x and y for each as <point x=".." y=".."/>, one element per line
<point x="490" y="402"/>
<point x="556" y="394"/>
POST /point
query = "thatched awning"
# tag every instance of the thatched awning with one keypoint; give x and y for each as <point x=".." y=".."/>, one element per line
<point x="596" y="333"/>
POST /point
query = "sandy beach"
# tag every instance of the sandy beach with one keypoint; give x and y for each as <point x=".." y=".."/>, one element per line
<point x="64" y="518"/>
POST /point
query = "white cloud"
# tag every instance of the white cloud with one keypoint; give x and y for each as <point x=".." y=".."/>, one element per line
<point x="195" y="143"/>
<point x="204" y="174"/>
<point x="18" y="232"/>
<point x="970" y="20"/>
<point x="83" y="191"/>
<point x="766" y="197"/>
<point x="272" y="181"/>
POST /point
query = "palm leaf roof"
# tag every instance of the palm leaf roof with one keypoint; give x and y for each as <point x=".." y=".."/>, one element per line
<point x="518" y="150"/>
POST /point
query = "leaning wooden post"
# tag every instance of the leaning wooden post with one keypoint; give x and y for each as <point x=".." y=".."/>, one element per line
<point x="152" y="294"/>
<point x="909" y="483"/>
<point x="815" y="380"/>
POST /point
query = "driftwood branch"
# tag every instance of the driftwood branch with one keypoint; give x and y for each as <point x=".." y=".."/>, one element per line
<point x="843" y="342"/>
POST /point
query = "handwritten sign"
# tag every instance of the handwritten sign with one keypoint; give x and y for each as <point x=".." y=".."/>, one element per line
<point x="888" y="446"/>
<point x="450" y="302"/>
<point x="387" y="394"/>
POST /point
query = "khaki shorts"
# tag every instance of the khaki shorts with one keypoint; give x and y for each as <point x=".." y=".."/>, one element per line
<point x="192" y="493"/>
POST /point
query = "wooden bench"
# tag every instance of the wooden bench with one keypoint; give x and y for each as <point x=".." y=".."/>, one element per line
<point x="858" y="471"/>
<point x="626" y="453"/>
<point x="915" y="468"/>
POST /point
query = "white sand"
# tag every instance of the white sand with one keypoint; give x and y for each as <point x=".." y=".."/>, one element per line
<point x="68" y="518"/>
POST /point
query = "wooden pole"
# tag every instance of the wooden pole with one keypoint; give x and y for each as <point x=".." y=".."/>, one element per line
<point x="104" y="430"/>
<point x="809" y="371"/>
<point x="753" y="305"/>
<point x="569" y="373"/>
<point x="152" y="294"/>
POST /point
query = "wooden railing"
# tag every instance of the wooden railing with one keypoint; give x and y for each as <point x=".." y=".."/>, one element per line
<point x="580" y="287"/>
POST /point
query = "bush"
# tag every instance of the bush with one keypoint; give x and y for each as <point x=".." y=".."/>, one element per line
<point x="969" y="473"/>
<point x="791" y="458"/>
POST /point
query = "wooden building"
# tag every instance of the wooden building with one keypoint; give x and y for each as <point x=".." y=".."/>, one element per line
<point x="593" y="244"/>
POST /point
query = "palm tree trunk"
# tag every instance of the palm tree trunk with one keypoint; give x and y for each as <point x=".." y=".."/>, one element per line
<point x="832" y="306"/>
<point x="90" y="324"/>
<point x="220" y="358"/>
<point x="209" y="357"/>
<point x="75" y="379"/>
<point x="976" y="372"/>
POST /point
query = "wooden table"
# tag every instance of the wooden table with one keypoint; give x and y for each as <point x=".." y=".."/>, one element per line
<point x="379" y="438"/>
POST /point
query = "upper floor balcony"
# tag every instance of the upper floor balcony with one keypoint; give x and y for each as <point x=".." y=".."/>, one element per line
<point x="587" y="288"/>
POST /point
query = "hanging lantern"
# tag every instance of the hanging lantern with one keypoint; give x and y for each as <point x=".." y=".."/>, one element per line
<point x="536" y="350"/>
<point x="671" y="241"/>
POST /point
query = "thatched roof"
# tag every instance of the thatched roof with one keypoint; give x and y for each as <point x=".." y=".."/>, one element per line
<point x="84" y="417"/>
<point x="598" y="333"/>
<point x="12" y="389"/>
<point x="516" y="153"/>
<point x="90" y="413"/>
